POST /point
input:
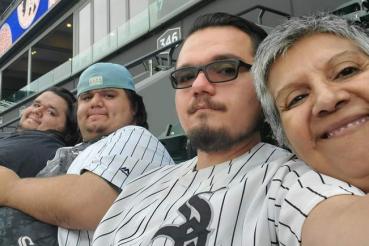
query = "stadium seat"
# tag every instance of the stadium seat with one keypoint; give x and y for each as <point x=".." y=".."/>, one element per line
<point x="177" y="143"/>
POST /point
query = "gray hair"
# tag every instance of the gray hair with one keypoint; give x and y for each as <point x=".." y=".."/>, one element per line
<point x="284" y="37"/>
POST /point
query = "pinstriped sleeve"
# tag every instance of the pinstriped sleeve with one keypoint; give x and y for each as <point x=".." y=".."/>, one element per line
<point x="126" y="154"/>
<point x="309" y="190"/>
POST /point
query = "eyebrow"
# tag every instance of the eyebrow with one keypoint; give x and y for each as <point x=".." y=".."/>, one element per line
<point x="350" y="53"/>
<point x="213" y="59"/>
<point x="109" y="90"/>
<point x="48" y="106"/>
<point x="226" y="56"/>
<point x="100" y="90"/>
<point x="281" y="94"/>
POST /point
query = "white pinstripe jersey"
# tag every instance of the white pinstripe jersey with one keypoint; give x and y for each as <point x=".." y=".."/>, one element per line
<point x="118" y="158"/>
<point x="255" y="199"/>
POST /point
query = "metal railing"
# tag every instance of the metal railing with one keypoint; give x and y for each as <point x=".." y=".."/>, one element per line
<point x="139" y="61"/>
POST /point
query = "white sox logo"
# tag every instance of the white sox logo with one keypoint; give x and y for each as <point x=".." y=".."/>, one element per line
<point x="194" y="231"/>
<point x="25" y="241"/>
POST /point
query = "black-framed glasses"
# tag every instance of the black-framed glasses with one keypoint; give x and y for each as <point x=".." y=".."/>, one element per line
<point x="215" y="72"/>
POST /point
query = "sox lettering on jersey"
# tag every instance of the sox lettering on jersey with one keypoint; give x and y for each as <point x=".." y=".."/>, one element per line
<point x="194" y="231"/>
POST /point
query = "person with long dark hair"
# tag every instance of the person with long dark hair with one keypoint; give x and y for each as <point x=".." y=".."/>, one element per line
<point x="47" y="124"/>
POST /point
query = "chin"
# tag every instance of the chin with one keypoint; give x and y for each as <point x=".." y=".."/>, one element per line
<point x="28" y="126"/>
<point x="98" y="130"/>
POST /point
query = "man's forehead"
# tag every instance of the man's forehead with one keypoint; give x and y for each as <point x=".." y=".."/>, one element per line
<point x="48" y="104"/>
<point x="213" y="43"/>
<point x="49" y="98"/>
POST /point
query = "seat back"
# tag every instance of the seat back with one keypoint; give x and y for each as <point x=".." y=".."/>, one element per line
<point x="176" y="142"/>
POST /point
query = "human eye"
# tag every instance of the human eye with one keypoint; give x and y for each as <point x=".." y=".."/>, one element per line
<point x="296" y="99"/>
<point x="227" y="69"/>
<point x="51" y="112"/>
<point x="36" y="104"/>
<point x="86" y="97"/>
<point x="184" y="76"/>
<point x="346" y="72"/>
<point x="109" y="95"/>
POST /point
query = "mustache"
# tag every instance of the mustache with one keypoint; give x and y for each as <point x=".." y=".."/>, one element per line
<point x="202" y="102"/>
<point x="97" y="111"/>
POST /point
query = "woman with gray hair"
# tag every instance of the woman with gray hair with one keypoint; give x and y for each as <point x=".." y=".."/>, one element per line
<point x="312" y="77"/>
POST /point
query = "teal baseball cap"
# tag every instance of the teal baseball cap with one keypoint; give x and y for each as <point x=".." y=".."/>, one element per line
<point x="105" y="75"/>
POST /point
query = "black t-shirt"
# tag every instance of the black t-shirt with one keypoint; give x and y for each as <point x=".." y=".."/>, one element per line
<point x="26" y="152"/>
<point x="20" y="229"/>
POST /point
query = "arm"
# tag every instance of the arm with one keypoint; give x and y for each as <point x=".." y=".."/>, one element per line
<point x="69" y="201"/>
<point x="340" y="220"/>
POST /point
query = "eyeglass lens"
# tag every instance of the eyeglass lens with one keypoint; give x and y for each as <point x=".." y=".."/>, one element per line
<point x="219" y="71"/>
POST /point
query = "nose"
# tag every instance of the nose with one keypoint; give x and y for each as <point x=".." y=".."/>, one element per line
<point x="38" y="110"/>
<point x="329" y="99"/>
<point x="202" y="85"/>
<point x="96" y="100"/>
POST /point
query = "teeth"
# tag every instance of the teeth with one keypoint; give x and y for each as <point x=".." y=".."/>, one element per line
<point x="348" y="126"/>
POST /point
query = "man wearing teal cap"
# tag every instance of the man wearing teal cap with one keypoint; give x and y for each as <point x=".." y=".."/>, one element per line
<point x="105" y="75"/>
<point x="113" y="84"/>
<point x="108" y="107"/>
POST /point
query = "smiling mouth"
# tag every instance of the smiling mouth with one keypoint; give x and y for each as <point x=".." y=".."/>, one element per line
<point x="199" y="109"/>
<point x="347" y="127"/>
<point x="34" y="120"/>
<point x="93" y="116"/>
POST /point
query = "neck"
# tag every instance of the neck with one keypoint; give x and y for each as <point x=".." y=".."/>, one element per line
<point x="91" y="138"/>
<point x="207" y="159"/>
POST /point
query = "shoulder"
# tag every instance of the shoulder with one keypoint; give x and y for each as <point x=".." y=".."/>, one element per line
<point x="299" y="193"/>
<point x="170" y="172"/>
<point x="49" y="135"/>
<point x="176" y="169"/>
<point x="37" y="139"/>
<point x="283" y="161"/>
<point x="130" y="131"/>
<point x="123" y="135"/>
<point x="264" y="153"/>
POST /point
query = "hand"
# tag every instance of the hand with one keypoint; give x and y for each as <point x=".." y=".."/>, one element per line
<point x="7" y="179"/>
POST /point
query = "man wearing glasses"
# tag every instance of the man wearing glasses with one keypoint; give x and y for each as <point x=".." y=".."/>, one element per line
<point x="230" y="194"/>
